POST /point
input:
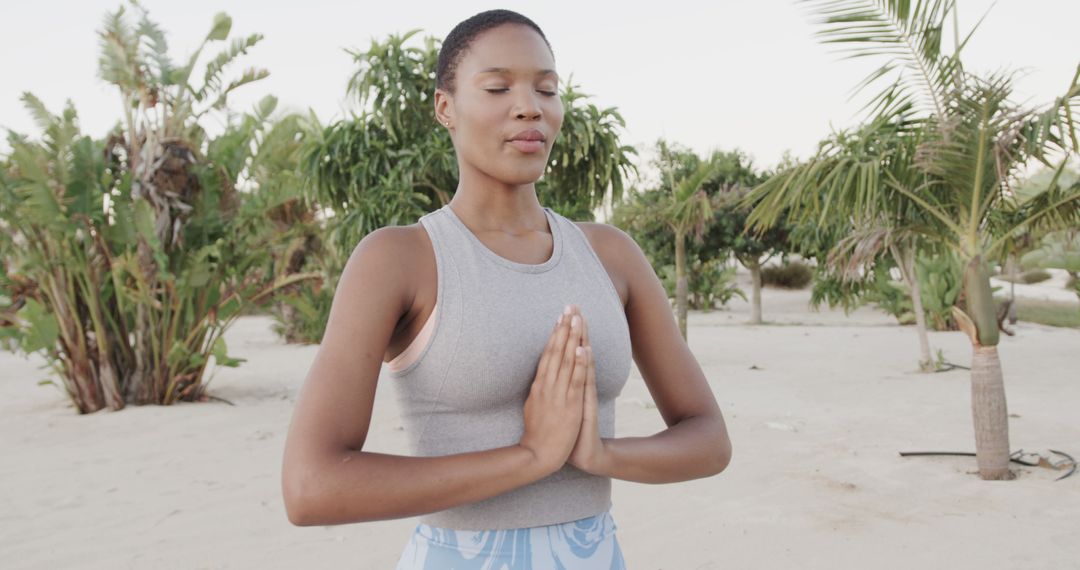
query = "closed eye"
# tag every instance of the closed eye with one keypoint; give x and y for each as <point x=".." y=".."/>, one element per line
<point x="505" y="89"/>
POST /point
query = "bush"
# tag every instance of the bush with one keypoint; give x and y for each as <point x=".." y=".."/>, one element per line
<point x="709" y="284"/>
<point x="1052" y="313"/>
<point x="1028" y="277"/>
<point x="1035" y="276"/>
<point x="791" y="275"/>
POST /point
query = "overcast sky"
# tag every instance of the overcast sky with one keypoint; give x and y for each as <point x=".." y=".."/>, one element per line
<point x="720" y="74"/>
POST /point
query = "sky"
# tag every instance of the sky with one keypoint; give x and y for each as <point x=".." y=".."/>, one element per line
<point x="724" y="74"/>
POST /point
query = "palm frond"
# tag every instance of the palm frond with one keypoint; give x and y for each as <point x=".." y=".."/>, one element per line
<point x="908" y="34"/>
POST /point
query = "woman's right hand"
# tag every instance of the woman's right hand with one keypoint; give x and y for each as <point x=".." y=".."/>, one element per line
<point x="555" y="403"/>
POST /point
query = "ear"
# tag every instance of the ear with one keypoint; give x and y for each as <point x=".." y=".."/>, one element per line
<point x="444" y="108"/>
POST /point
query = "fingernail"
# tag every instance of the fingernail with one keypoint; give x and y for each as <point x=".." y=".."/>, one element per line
<point x="579" y="351"/>
<point x="574" y="321"/>
<point x="566" y="310"/>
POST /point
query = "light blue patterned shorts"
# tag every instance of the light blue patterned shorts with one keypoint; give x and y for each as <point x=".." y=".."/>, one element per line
<point x="585" y="544"/>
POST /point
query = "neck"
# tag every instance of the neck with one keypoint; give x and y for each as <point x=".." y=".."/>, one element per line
<point x="485" y="203"/>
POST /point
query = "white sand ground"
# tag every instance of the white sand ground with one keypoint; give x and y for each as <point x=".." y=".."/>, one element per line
<point x="817" y="413"/>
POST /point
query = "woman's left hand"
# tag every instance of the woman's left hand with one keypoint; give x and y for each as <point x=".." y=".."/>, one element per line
<point x="589" y="451"/>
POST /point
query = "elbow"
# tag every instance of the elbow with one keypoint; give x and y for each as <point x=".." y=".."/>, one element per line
<point x="724" y="458"/>
<point x="297" y="510"/>
<point x="297" y="514"/>
<point x="299" y="502"/>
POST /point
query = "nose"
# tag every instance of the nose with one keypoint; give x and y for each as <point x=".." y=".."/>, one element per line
<point x="527" y="106"/>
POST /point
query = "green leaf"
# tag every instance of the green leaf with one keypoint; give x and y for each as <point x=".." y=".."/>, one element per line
<point x="43" y="330"/>
<point x="220" y="352"/>
<point x="221" y="27"/>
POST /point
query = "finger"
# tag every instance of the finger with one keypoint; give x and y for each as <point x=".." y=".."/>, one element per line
<point x="591" y="403"/>
<point x="577" y="380"/>
<point x="569" y="354"/>
<point x="545" y="356"/>
<point x="557" y="358"/>
<point x="584" y="332"/>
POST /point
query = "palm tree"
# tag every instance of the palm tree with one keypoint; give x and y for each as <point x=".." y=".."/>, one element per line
<point x="851" y="168"/>
<point x="970" y="140"/>
<point x="686" y="209"/>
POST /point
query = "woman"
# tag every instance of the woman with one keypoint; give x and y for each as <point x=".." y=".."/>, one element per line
<point x="509" y="330"/>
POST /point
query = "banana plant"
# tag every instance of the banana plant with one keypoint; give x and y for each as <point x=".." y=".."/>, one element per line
<point x="942" y="280"/>
<point x="132" y="257"/>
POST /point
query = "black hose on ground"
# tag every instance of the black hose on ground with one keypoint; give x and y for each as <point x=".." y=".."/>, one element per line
<point x="1013" y="458"/>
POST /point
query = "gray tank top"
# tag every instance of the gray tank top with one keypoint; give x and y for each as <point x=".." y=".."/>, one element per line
<point x="466" y="389"/>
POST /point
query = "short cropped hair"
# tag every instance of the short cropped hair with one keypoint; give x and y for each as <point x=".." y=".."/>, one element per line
<point x="463" y="34"/>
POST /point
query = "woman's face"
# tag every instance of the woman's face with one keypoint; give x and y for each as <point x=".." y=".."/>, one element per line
<point x="505" y="88"/>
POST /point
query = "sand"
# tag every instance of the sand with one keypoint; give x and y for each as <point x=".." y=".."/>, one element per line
<point x="817" y="404"/>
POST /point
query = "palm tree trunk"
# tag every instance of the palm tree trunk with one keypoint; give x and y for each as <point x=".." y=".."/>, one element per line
<point x="990" y="414"/>
<point x="755" y="295"/>
<point x="1014" y="272"/>
<point x="681" y="287"/>
<point x="905" y="258"/>
<point x="988" y="407"/>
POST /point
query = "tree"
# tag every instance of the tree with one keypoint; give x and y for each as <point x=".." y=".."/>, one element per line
<point x="968" y="141"/>
<point x="709" y="278"/>
<point x="129" y="265"/>
<point x="851" y="168"/>
<point x="752" y="250"/>
<point x="735" y="176"/>
<point x="686" y="209"/>
<point x="391" y="163"/>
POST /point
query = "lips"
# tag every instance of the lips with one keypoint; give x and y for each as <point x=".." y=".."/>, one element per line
<point x="529" y="135"/>
<point x="528" y="141"/>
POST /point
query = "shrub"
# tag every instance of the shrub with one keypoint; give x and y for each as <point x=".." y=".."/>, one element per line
<point x="1035" y="276"/>
<point x="790" y="275"/>
<point x="127" y="258"/>
<point x="709" y="284"/>
<point x="1028" y="277"/>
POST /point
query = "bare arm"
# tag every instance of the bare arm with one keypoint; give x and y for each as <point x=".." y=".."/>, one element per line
<point x="366" y="486"/>
<point x="696" y="442"/>
<point x="326" y="476"/>
<point x="686" y="450"/>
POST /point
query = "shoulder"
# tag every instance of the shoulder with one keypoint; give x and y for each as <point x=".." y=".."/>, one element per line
<point x="620" y="255"/>
<point x="388" y="243"/>
<point x="388" y="258"/>
<point x="612" y="239"/>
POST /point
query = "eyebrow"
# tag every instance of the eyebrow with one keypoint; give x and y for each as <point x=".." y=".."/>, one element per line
<point x="505" y="70"/>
